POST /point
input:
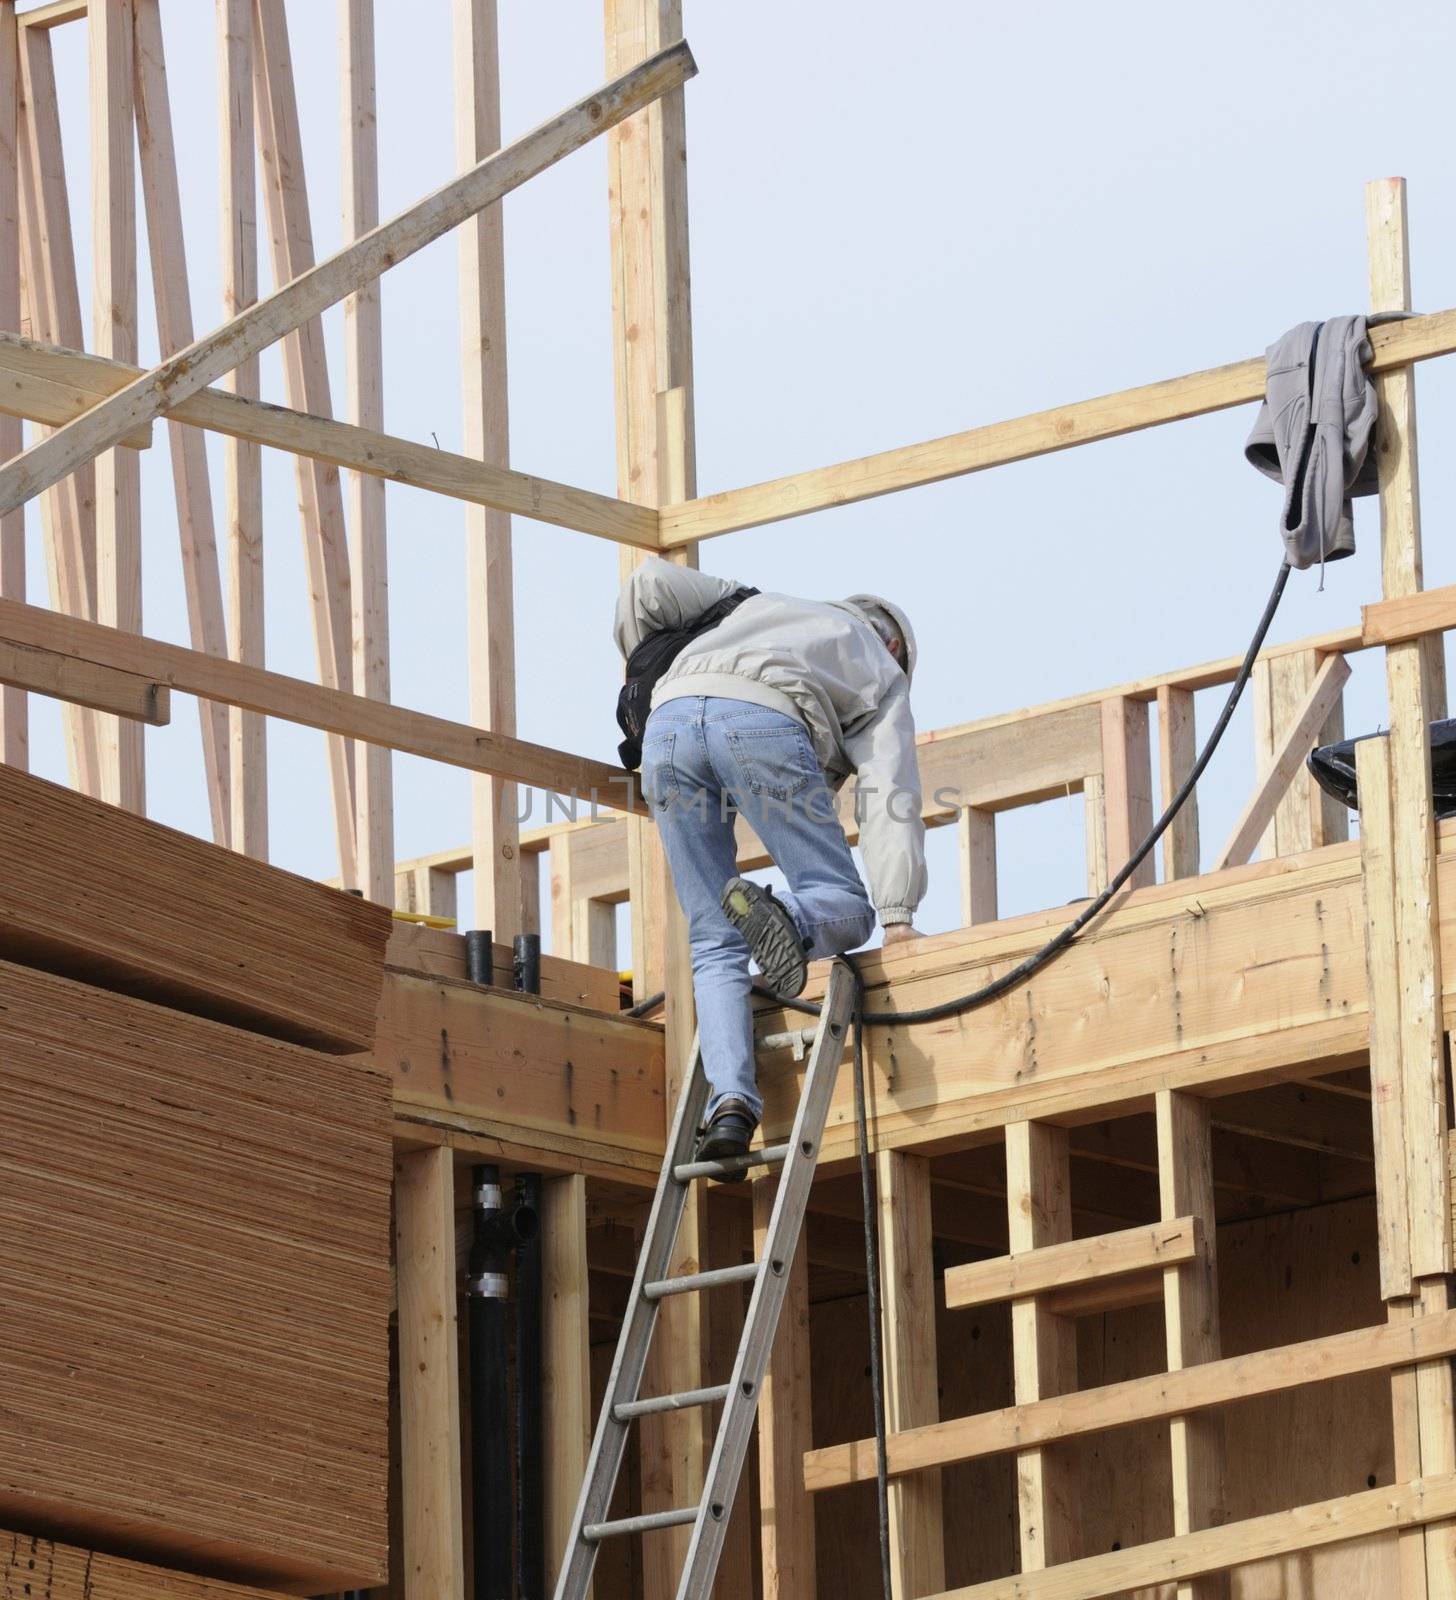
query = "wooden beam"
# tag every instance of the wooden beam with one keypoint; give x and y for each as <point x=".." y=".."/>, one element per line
<point x="313" y="291"/>
<point x="1408" y="617"/>
<point x="978" y="866"/>
<point x="1041" y="433"/>
<point x="785" y="1431"/>
<point x="728" y="1237"/>
<point x="51" y="383"/>
<point x="166" y="241"/>
<point x="1190" y="1310"/>
<point x="1425" y="1446"/>
<point x="1127" y="794"/>
<point x="271" y="693"/>
<point x="54" y="14"/>
<point x="1156" y="1398"/>
<point x="1177" y="751"/>
<point x="364" y="382"/>
<point x="917" y="1535"/>
<point x="121" y="694"/>
<point x="566" y="1357"/>
<point x="114" y="333"/>
<point x="14" y="708"/>
<point x="1079" y="1261"/>
<point x="1219" y="1551"/>
<point x="242" y="459"/>
<point x="1285" y="761"/>
<point x="429" y="1383"/>
<point x="486" y="435"/>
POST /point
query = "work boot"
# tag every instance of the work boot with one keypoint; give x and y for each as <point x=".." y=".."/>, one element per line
<point x="773" y="939"/>
<point x="728" y="1133"/>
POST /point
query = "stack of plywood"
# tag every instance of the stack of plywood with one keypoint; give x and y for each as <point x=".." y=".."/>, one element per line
<point x="36" y="1569"/>
<point x="113" y="899"/>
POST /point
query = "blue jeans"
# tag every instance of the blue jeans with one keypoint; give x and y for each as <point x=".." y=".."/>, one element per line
<point x="703" y="760"/>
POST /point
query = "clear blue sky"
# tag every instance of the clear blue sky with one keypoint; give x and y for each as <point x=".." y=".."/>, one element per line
<point x="904" y="223"/>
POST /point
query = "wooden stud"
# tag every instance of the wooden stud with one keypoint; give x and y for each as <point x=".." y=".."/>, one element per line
<point x="1177" y="751"/>
<point x="566" y="1357"/>
<point x="1190" y="1305"/>
<point x="428" y="891"/>
<point x="364" y="383"/>
<point x="306" y="381"/>
<point x="729" y="1241"/>
<point x="429" y="1380"/>
<point x="1127" y="784"/>
<point x="1306" y="818"/>
<point x="486" y="435"/>
<point x="917" y="1537"/>
<point x="1044" y="1346"/>
<point x="785" y="1431"/>
<point x="114" y="333"/>
<point x="14" y="707"/>
<point x="978" y="866"/>
<point x="166" y="240"/>
<point x="1094" y="807"/>
<point x="582" y="929"/>
<point x="242" y="459"/>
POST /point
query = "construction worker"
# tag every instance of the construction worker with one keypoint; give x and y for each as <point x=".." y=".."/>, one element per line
<point x="764" y="704"/>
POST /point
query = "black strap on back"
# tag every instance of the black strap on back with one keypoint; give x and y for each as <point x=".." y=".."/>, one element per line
<point x="650" y="660"/>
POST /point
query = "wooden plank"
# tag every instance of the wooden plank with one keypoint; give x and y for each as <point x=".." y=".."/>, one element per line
<point x="1300" y="737"/>
<point x="1408" y="617"/>
<point x="978" y="865"/>
<point x="364" y="383"/>
<point x="566" y="1357"/>
<point x="166" y="241"/>
<point x="486" y="436"/>
<point x="1306" y="817"/>
<point x="1177" y="751"/>
<point x="54" y="14"/>
<point x="917" y="1536"/>
<point x="114" y="333"/>
<point x="71" y="1573"/>
<point x="1127" y="794"/>
<point x="1094" y="828"/>
<point x="14" y="709"/>
<point x="785" y="1431"/>
<point x="122" y="694"/>
<point x="729" y="1240"/>
<point x="242" y="459"/>
<point x="313" y="291"/>
<point x="1079" y="1261"/>
<point x="1190" y="1310"/>
<point x="1155" y="1398"/>
<point x="1220" y="1550"/>
<point x="1044" y="1345"/>
<point x="424" y="1210"/>
<point x="1041" y="433"/>
<point x="306" y="382"/>
<point x="314" y="706"/>
<point x="582" y="928"/>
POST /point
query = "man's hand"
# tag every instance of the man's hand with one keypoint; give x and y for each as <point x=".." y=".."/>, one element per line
<point x="900" y="932"/>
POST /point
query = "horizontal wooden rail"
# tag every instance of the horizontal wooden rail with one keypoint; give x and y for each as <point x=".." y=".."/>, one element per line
<point x="1411" y="616"/>
<point x="85" y="683"/>
<point x="331" y="710"/>
<point x="45" y="383"/>
<point x="357" y="264"/>
<point x="1042" y="433"/>
<point x="1118" y="1405"/>
<point x="52" y="15"/>
<point x="1235" y="1544"/>
<point x="1059" y="1266"/>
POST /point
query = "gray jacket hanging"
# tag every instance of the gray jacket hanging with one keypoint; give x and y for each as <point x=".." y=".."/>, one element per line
<point x="1313" y="435"/>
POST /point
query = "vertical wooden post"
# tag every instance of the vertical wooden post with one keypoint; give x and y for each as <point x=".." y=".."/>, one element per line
<point x="566" y="1357"/>
<point x="1190" y="1305"/>
<point x="581" y="929"/>
<point x="166" y="242"/>
<point x="14" y="706"/>
<point x="306" y="382"/>
<point x="242" y="461"/>
<point x="1043" y="1345"/>
<point x="978" y="865"/>
<point x="917" y="1536"/>
<point x="1307" y="817"/>
<point x="429" y="1378"/>
<point x="1177" y="751"/>
<point x="364" y="382"/>
<point x="785" y="1431"/>
<point x="729" y="1243"/>
<point x="652" y="353"/>
<point x="1127" y="784"/>
<point x="427" y="890"/>
<point x="487" y="531"/>
<point x="118" y="473"/>
<point x="1094" y="803"/>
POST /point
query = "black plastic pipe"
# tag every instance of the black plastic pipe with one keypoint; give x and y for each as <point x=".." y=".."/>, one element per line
<point x="497" y="1230"/>
<point x="530" y="1504"/>
<point x="527" y="962"/>
<point x="480" y="956"/>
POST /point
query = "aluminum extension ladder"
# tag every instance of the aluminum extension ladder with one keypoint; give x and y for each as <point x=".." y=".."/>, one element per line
<point x="739" y="1396"/>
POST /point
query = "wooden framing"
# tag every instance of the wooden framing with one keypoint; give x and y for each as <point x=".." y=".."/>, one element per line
<point x="14" y="707"/>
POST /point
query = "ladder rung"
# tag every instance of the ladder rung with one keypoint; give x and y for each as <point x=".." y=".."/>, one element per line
<point x="795" y="1039"/>
<point x="769" y="1156"/>
<point x="595" y="1532"/>
<point x="669" y="1402"/>
<point x="700" y="1280"/>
